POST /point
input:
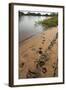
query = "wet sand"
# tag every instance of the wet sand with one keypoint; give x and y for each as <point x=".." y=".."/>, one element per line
<point x="38" y="55"/>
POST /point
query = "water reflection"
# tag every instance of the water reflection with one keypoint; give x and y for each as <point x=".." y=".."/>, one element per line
<point x="28" y="26"/>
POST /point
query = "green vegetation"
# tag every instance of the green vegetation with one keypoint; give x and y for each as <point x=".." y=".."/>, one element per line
<point x="51" y="22"/>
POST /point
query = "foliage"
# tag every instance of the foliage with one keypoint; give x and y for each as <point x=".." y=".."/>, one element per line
<point x="51" y="22"/>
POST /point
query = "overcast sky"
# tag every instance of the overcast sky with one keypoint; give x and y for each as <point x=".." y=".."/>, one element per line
<point x="41" y="12"/>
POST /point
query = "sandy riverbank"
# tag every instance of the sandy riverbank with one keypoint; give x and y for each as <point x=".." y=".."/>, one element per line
<point x="38" y="55"/>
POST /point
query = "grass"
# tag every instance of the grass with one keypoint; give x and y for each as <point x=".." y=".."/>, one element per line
<point x="51" y="22"/>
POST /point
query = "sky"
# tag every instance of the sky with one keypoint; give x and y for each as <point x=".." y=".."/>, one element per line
<point x="41" y="12"/>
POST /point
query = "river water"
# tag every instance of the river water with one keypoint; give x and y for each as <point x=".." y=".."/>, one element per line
<point x="28" y="26"/>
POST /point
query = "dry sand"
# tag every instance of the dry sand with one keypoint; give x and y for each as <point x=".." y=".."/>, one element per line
<point x="38" y="55"/>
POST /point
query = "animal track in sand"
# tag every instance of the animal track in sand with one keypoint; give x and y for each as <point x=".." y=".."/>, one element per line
<point x="21" y="65"/>
<point x="40" y="48"/>
<point x="43" y="37"/>
<point x="40" y="52"/>
<point x="43" y="40"/>
<point x="44" y="69"/>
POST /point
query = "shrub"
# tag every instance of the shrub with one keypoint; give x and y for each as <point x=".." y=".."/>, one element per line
<point x="51" y="22"/>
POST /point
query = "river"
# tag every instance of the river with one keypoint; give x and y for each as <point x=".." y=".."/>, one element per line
<point x="28" y="26"/>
